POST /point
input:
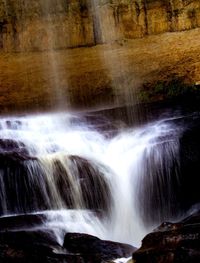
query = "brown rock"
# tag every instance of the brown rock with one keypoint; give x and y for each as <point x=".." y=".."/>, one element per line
<point x="57" y="24"/>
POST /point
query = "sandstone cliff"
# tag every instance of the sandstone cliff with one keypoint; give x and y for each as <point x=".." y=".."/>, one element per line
<point x="39" y="71"/>
<point x="92" y="76"/>
<point x="37" y="25"/>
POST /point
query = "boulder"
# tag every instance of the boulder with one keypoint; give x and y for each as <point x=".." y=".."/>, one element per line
<point x="93" y="249"/>
<point x="27" y="246"/>
<point x="172" y="243"/>
<point x="35" y="243"/>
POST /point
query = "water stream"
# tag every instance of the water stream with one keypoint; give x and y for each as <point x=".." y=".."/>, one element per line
<point x="87" y="179"/>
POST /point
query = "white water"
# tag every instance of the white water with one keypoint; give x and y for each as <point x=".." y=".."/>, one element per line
<point x="119" y="158"/>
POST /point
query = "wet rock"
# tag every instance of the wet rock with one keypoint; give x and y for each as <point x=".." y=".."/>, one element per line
<point x="94" y="186"/>
<point x="172" y="243"/>
<point x="27" y="246"/>
<point x="13" y="150"/>
<point x="174" y="180"/>
<point x="39" y="244"/>
<point x="33" y="246"/>
<point x="29" y="238"/>
<point x="89" y="180"/>
<point x="20" y="183"/>
<point x="17" y="222"/>
<point x="25" y="187"/>
<point x="189" y="163"/>
<point x="8" y="144"/>
<point x="13" y="125"/>
<point x="93" y="249"/>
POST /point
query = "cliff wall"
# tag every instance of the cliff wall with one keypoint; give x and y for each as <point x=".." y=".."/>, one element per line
<point x="38" y="25"/>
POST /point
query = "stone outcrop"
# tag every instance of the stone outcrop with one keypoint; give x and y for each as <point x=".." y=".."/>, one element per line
<point x="57" y="24"/>
<point x="93" y="249"/>
<point x="25" y="239"/>
<point x="172" y="243"/>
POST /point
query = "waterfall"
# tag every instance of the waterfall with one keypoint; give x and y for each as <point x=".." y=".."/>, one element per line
<point x="86" y="179"/>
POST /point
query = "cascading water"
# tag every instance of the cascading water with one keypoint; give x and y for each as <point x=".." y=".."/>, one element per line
<point x="88" y="180"/>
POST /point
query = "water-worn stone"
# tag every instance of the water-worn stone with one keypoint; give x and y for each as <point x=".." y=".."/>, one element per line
<point x="13" y="150"/>
<point x="27" y="246"/>
<point x="16" y="222"/>
<point x="85" y="176"/>
<point x="93" y="249"/>
<point x="91" y="176"/>
<point x="24" y="239"/>
<point x="172" y="243"/>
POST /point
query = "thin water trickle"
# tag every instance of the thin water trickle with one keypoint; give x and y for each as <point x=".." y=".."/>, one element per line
<point x="88" y="182"/>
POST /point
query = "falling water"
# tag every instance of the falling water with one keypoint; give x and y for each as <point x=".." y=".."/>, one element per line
<point x="86" y="179"/>
<point x="51" y="58"/>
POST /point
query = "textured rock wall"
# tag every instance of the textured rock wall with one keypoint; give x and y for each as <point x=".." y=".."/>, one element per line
<point x="37" y="25"/>
<point x="44" y="24"/>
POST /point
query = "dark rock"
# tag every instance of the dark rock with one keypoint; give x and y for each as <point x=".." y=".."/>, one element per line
<point x="94" y="187"/>
<point x="88" y="175"/>
<point x="17" y="222"/>
<point x="40" y="245"/>
<point x="33" y="246"/>
<point x="29" y="238"/>
<point x="174" y="176"/>
<point x="27" y="246"/>
<point x="13" y="150"/>
<point x="7" y="144"/>
<point x="172" y="243"/>
<point x="21" y="181"/>
<point x="189" y="163"/>
<point x="24" y="187"/>
<point x="13" y="124"/>
<point x="93" y="249"/>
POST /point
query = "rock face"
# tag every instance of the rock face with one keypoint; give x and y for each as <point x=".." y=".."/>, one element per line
<point x="57" y="24"/>
<point x="172" y="243"/>
<point x="189" y="160"/>
<point x="42" y="71"/>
